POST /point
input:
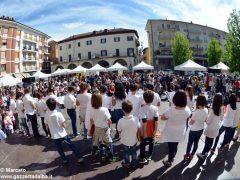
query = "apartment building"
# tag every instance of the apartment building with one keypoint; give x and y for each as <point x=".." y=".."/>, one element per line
<point x="104" y="47"/>
<point x="23" y="49"/>
<point x="161" y="33"/>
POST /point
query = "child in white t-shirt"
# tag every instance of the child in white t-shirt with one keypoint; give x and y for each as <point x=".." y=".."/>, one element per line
<point x="196" y="125"/>
<point x="56" y="124"/>
<point x="149" y="116"/>
<point x="100" y="118"/>
<point x="128" y="126"/>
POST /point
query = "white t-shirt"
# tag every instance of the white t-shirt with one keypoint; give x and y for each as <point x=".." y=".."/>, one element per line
<point x="175" y="127"/>
<point x="136" y="101"/>
<point x="54" y="120"/>
<point x="171" y="94"/>
<point x="128" y="126"/>
<point x="12" y="106"/>
<point x="100" y="117"/>
<point x="213" y="124"/>
<point x="83" y="99"/>
<point x="69" y="101"/>
<point x="190" y="102"/>
<point x="41" y="107"/>
<point x="148" y="112"/>
<point x="199" y="116"/>
<point x="229" y="117"/>
<point x="107" y="101"/>
<point x="20" y="109"/>
<point x="27" y="102"/>
<point x="156" y="99"/>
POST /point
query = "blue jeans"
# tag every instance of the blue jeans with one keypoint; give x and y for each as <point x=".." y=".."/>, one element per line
<point x="130" y="151"/>
<point x="193" y="138"/>
<point x="226" y="136"/>
<point x="23" y="123"/>
<point x="58" y="143"/>
<point x="2" y="135"/>
<point x="150" y="142"/>
<point x="73" y="116"/>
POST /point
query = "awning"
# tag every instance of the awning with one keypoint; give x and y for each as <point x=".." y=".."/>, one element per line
<point x="18" y="75"/>
<point x="26" y="75"/>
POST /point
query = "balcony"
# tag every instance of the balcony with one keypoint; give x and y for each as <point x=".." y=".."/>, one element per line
<point x="195" y="40"/>
<point x="196" y="48"/>
<point x="32" y="40"/>
<point x="194" y="31"/>
<point x="163" y="46"/>
<point x="166" y="37"/>
<point x="30" y="49"/>
<point x="171" y="28"/>
<point x="29" y="59"/>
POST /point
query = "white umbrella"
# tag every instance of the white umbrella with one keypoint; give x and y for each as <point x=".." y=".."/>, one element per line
<point x="190" y="65"/>
<point x="95" y="68"/>
<point x="78" y="69"/>
<point x="143" y="66"/>
<point x="8" y="80"/>
<point x="59" y="72"/>
<point x="117" y="67"/>
<point x="40" y="75"/>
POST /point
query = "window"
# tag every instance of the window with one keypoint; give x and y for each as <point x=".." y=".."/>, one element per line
<point x="79" y="44"/>
<point x="89" y="42"/>
<point x="3" y="55"/>
<point x="69" y="57"/>
<point x="130" y="52"/>
<point x="16" y="54"/>
<point x="60" y="48"/>
<point x="3" y="67"/>
<point x="4" y="42"/>
<point x="61" y="59"/>
<point x="89" y="55"/>
<point x="104" y="53"/>
<point x="129" y="38"/>
<point x="79" y="56"/>
<point x="163" y="26"/>
<point x="117" y="52"/>
<point x="168" y="26"/>
<point x="103" y="40"/>
<point x="116" y="39"/>
<point x="69" y="46"/>
<point x="5" y="31"/>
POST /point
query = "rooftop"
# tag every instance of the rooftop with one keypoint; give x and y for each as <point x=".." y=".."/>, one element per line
<point x="11" y="19"/>
<point x="99" y="33"/>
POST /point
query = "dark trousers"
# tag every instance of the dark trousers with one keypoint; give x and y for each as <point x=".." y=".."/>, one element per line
<point x="232" y="134"/>
<point x="73" y="116"/>
<point x="208" y="145"/>
<point x="193" y="139"/>
<point x="33" y="120"/>
<point x="130" y="151"/>
<point x="46" y="130"/>
<point x="150" y="142"/>
<point x="226" y="136"/>
<point x="172" y="150"/>
<point x="58" y="143"/>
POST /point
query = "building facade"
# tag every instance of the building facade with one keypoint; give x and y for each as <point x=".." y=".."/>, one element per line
<point x="23" y="49"/>
<point x="162" y="32"/>
<point x="104" y="47"/>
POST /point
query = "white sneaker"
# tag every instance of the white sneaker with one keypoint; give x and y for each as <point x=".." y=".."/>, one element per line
<point x="200" y="155"/>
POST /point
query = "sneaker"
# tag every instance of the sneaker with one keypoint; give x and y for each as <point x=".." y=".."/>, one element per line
<point x="190" y="157"/>
<point x="149" y="158"/>
<point x="65" y="161"/>
<point x="126" y="165"/>
<point x="80" y="160"/>
<point x="113" y="159"/>
<point x="201" y="156"/>
<point x="143" y="161"/>
<point x="76" y="135"/>
<point x="167" y="163"/>
<point x="186" y="157"/>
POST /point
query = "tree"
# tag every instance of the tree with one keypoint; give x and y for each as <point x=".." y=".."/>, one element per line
<point x="214" y="52"/>
<point x="233" y="41"/>
<point x="180" y="49"/>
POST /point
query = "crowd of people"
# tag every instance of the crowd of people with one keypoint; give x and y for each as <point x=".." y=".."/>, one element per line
<point x="205" y="104"/>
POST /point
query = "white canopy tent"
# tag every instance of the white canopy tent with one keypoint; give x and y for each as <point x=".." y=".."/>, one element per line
<point x="190" y="65"/>
<point x="221" y="66"/>
<point x="78" y="69"/>
<point x="40" y="75"/>
<point x="8" y="80"/>
<point x="60" y="72"/>
<point x="143" y="66"/>
<point x="96" y="68"/>
<point x="117" y="67"/>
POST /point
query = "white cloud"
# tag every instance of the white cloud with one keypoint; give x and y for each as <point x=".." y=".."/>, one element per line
<point x="74" y="25"/>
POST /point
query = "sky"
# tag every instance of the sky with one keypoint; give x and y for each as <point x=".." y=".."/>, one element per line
<point x="63" y="18"/>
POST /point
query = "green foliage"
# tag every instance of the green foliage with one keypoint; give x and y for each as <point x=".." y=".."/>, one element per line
<point x="233" y="41"/>
<point x="180" y="49"/>
<point x="214" y="52"/>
